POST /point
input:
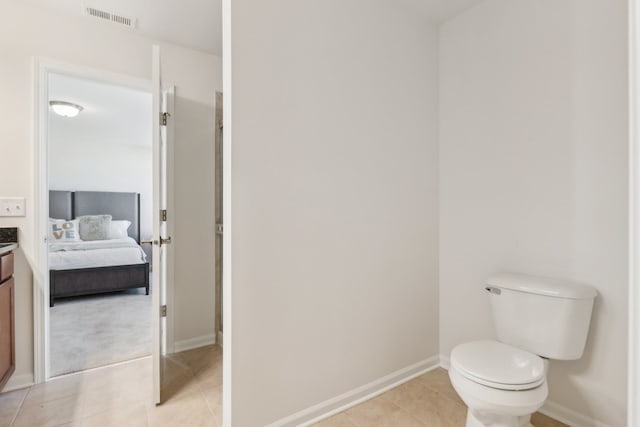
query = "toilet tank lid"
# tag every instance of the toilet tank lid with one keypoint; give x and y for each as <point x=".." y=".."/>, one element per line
<point x="557" y="288"/>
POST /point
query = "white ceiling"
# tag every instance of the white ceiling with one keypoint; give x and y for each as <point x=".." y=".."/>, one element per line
<point x="198" y="23"/>
<point x="112" y="115"/>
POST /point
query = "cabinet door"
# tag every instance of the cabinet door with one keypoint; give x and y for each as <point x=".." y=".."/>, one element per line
<point x="7" y="346"/>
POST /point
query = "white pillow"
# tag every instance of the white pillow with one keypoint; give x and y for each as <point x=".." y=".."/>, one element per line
<point x="62" y="230"/>
<point x="94" y="227"/>
<point x="118" y="229"/>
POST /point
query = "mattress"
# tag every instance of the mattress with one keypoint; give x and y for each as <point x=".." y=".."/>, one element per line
<point x="97" y="253"/>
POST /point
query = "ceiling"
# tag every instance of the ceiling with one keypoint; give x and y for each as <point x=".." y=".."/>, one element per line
<point x="113" y="115"/>
<point x="198" y="23"/>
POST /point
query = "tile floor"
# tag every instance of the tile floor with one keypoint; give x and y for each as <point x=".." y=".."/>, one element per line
<point x="426" y="401"/>
<point x="120" y="396"/>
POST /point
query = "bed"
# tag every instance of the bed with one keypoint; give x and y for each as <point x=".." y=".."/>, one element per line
<point x="92" y="267"/>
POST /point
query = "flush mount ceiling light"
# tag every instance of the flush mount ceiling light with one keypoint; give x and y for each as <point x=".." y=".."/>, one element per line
<point x="65" y="109"/>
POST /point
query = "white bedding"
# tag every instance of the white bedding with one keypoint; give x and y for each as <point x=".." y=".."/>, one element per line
<point x="96" y="253"/>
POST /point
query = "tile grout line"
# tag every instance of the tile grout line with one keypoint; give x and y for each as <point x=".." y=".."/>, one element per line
<point x="430" y="386"/>
<point x="24" y="398"/>
<point x="354" y="422"/>
<point x="414" y="418"/>
<point x="199" y="388"/>
<point x="351" y="420"/>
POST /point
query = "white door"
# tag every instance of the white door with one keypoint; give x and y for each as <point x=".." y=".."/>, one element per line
<point x="161" y="241"/>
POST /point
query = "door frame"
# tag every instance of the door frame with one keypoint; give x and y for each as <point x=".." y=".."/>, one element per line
<point x="227" y="288"/>
<point x="218" y="213"/>
<point x="169" y="91"/>
<point x="42" y="67"/>
<point x="633" y="392"/>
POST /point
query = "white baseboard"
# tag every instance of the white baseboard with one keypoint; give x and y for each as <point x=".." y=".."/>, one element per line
<point x="445" y="362"/>
<point x="330" y="407"/>
<point x="195" y="342"/>
<point x="17" y="382"/>
<point x="569" y="416"/>
<point x="551" y="409"/>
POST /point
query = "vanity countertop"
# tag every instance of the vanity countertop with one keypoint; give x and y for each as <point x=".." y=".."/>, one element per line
<point x="8" y="239"/>
<point x="7" y="247"/>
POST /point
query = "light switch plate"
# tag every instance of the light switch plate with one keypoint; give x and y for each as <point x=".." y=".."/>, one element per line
<point x="12" y="206"/>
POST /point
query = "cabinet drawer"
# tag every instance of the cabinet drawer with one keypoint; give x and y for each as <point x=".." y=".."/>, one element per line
<point x="6" y="266"/>
<point x="7" y="331"/>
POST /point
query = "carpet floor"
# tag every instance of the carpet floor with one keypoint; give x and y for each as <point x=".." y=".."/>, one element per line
<point x="97" y="330"/>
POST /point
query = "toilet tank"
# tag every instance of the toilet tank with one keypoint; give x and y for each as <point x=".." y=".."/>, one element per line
<point x="547" y="317"/>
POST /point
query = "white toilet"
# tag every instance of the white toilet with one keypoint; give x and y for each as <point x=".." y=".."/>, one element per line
<point x="503" y="382"/>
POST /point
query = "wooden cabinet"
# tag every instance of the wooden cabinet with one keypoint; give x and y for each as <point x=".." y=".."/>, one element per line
<point x="7" y="319"/>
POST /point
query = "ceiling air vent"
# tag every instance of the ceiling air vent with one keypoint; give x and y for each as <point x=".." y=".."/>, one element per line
<point x="111" y="17"/>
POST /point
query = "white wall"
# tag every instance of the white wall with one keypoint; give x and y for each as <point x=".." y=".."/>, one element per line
<point x="86" y="165"/>
<point x="29" y="31"/>
<point x="533" y="161"/>
<point x="82" y="159"/>
<point x="194" y="206"/>
<point x="334" y="200"/>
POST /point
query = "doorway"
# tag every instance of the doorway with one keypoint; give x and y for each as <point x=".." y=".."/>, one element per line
<point x="100" y="211"/>
<point x="59" y="194"/>
<point x="181" y="216"/>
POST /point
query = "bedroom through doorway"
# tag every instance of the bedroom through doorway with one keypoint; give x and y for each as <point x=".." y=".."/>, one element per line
<point x="100" y="160"/>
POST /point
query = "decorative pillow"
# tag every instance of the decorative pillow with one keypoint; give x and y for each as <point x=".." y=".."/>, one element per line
<point x="95" y="227"/>
<point x="118" y="229"/>
<point x="62" y="230"/>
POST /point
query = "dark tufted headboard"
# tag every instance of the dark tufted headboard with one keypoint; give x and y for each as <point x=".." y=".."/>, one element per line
<point x="121" y="206"/>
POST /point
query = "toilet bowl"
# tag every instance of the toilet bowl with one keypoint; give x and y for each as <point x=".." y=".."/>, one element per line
<point x="503" y="382"/>
<point x="500" y="384"/>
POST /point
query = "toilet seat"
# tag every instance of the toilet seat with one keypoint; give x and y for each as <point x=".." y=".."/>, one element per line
<point x="482" y="399"/>
<point x="497" y="365"/>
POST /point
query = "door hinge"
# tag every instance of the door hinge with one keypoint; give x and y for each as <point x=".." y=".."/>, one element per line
<point x="163" y="118"/>
<point x="163" y="311"/>
<point x="163" y="214"/>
